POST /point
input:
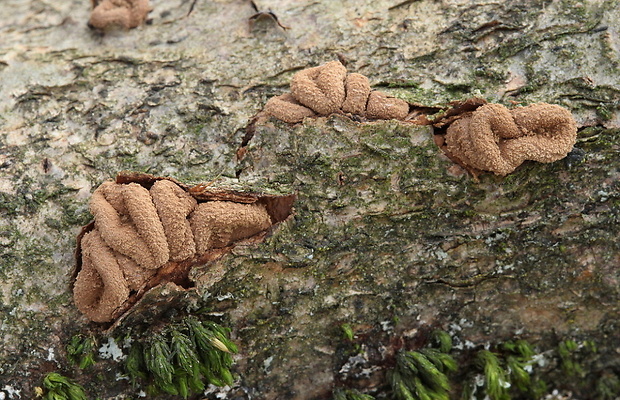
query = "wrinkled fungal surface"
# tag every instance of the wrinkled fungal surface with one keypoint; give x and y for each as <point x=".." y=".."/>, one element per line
<point x="125" y="13"/>
<point x="145" y="229"/>
<point x="494" y="138"/>
<point x="328" y="89"/>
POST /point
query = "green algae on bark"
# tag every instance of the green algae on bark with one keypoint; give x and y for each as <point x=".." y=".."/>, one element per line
<point x="381" y="214"/>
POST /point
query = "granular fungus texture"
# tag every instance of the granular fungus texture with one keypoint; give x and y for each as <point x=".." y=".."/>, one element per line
<point x="494" y="138"/>
<point x="328" y="89"/>
<point x="382" y="106"/>
<point x="100" y="287"/>
<point x="173" y="206"/>
<point x="125" y="13"/>
<point x="357" y="89"/>
<point x="138" y="232"/>
<point x="287" y="109"/>
<point x="220" y="223"/>
<point x="128" y="221"/>
<point x="320" y="88"/>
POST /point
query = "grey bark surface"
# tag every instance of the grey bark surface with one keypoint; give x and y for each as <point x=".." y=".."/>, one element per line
<point x="388" y="235"/>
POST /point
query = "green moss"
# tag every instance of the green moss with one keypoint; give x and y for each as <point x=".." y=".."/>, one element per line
<point x="350" y="394"/>
<point x="81" y="350"/>
<point x="347" y="331"/>
<point x="58" y="387"/>
<point x="183" y="358"/>
<point x="422" y="374"/>
<point x="608" y="386"/>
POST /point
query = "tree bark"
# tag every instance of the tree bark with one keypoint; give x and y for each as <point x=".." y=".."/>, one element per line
<point x="388" y="235"/>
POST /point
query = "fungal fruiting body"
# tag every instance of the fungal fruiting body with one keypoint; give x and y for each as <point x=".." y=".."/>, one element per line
<point x="494" y="138"/>
<point x="126" y="13"/>
<point x="328" y="89"/>
<point x="138" y="231"/>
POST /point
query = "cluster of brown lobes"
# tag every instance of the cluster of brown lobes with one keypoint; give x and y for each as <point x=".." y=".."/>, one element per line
<point x="126" y="13"/>
<point x="138" y="230"/>
<point x="494" y="138"/>
<point x="328" y="89"/>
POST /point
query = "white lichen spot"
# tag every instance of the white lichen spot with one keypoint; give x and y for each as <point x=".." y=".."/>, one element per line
<point x="455" y="328"/>
<point x="120" y="377"/>
<point x="127" y="342"/>
<point x="111" y="350"/>
<point x="50" y="354"/>
<point x="222" y="297"/>
<point x="219" y="392"/>
<point x="505" y="268"/>
<point x="267" y="363"/>
<point x="12" y="392"/>
<point x="357" y="360"/>
<point x="386" y="326"/>
<point x="478" y="382"/>
<point x="440" y="254"/>
<point x="540" y="360"/>
<point x="465" y="323"/>
<point x="495" y="238"/>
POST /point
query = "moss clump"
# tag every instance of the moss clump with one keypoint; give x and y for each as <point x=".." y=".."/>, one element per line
<point x="496" y="381"/>
<point x="58" y="387"/>
<point x="441" y="340"/>
<point x="422" y="374"/>
<point x="608" y="386"/>
<point x="570" y="353"/>
<point x="81" y="350"/>
<point x="350" y="394"/>
<point x="183" y="358"/>
<point x="507" y="370"/>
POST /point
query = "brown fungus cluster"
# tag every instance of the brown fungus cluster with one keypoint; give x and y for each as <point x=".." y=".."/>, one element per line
<point x="328" y="89"/>
<point x="147" y="229"/>
<point x="496" y="139"/>
<point x="124" y="13"/>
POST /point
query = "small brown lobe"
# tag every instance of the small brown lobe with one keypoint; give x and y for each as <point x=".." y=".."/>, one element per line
<point x="493" y="138"/>
<point x="119" y="228"/>
<point x="100" y="286"/>
<point x="287" y="109"/>
<point x="125" y="13"/>
<point x="382" y="106"/>
<point x="328" y="89"/>
<point x="358" y="89"/>
<point x="219" y="223"/>
<point x="320" y="88"/>
<point x="173" y="206"/>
